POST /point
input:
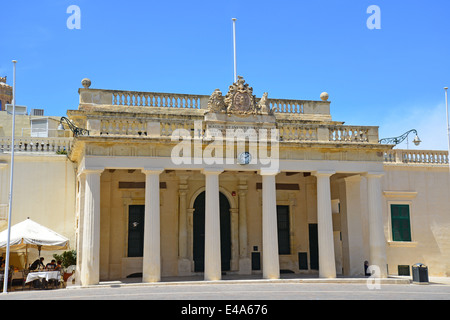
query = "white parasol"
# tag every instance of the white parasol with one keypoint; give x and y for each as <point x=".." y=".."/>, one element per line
<point x="30" y="234"/>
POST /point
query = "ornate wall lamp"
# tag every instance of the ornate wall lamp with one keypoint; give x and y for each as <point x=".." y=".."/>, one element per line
<point x="76" y="131"/>
<point x="400" y="139"/>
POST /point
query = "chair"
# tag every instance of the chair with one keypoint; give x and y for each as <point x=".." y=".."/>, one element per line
<point x="25" y="273"/>
<point x="62" y="283"/>
<point x="10" y="276"/>
<point x="55" y="283"/>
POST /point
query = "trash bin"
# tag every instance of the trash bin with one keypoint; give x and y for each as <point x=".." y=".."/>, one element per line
<point x="420" y="273"/>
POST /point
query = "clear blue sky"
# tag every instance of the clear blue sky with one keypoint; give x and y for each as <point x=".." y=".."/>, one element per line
<point x="296" y="49"/>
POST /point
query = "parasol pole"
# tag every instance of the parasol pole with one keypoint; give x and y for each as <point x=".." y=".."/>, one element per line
<point x="6" y="275"/>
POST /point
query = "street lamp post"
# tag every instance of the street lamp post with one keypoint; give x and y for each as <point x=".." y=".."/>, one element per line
<point x="11" y="179"/>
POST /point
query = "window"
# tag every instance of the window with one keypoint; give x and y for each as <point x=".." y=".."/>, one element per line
<point x="284" y="242"/>
<point x="39" y="128"/>
<point x="403" y="270"/>
<point x="400" y="221"/>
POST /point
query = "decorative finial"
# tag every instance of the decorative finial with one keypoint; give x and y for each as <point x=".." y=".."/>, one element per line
<point x="324" y="96"/>
<point x="86" y="83"/>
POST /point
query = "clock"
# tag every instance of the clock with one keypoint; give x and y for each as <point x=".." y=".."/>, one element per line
<point x="244" y="158"/>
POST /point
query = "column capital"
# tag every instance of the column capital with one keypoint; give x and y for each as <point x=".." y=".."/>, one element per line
<point x="355" y="178"/>
<point x="373" y="174"/>
<point x="92" y="170"/>
<point x="147" y="171"/>
<point x="215" y="171"/>
<point x="268" y="172"/>
<point x="320" y="173"/>
<point x="3" y="165"/>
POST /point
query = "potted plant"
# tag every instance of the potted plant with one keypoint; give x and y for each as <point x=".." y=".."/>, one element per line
<point x="67" y="258"/>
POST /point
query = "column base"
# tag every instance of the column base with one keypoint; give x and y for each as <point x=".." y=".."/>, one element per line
<point x="245" y="266"/>
<point x="184" y="267"/>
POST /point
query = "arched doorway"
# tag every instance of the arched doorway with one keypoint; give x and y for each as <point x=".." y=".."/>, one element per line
<point x="199" y="233"/>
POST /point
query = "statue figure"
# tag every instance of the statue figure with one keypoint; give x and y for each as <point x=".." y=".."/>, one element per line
<point x="216" y="102"/>
<point x="263" y="105"/>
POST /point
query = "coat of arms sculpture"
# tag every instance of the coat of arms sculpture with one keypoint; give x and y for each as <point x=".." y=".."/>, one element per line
<point x="239" y="100"/>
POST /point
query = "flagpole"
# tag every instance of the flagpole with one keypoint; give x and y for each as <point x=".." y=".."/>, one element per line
<point x="234" y="47"/>
<point x="6" y="275"/>
<point x="448" y="126"/>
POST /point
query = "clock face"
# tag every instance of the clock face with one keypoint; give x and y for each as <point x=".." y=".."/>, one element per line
<point x="245" y="158"/>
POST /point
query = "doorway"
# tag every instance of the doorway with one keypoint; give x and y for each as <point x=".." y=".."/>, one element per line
<point x="199" y="233"/>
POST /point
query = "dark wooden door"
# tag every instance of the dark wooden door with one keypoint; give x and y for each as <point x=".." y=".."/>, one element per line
<point x="199" y="233"/>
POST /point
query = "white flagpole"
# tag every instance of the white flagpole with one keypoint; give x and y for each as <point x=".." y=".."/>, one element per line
<point x="234" y="47"/>
<point x="448" y="126"/>
<point x="6" y="275"/>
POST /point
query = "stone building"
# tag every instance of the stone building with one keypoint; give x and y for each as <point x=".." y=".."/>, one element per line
<point x="178" y="184"/>
<point x="5" y="93"/>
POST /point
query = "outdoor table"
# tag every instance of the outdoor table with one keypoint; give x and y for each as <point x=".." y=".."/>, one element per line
<point x="45" y="275"/>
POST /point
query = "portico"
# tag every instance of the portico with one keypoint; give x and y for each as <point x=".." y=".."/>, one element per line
<point x="213" y="182"/>
<point x="273" y="201"/>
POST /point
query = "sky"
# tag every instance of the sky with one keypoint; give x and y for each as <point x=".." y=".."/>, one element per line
<point x="392" y="76"/>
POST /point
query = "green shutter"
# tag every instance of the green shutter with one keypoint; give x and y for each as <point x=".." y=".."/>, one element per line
<point x="401" y="226"/>
<point x="284" y="242"/>
<point x="136" y="230"/>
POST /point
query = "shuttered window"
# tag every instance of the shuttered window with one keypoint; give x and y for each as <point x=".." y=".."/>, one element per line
<point x="136" y="230"/>
<point x="39" y="128"/>
<point x="284" y="243"/>
<point x="401" y="224"/>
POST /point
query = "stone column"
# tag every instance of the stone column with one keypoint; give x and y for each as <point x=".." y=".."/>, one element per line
<point x="327" y="264"/>
<point x="271" y="264"/>
<point x="351" y="225"/>
<point x="377" y="241"/>
<point x="245" y="264"/>
<point x="234" y="217"/>
<point x="90" y="262"/>
<point x="213" y="270"/>
<point x="183" y="261"/>
<point x="151" y="262"/>
<point x="80" y="204"/>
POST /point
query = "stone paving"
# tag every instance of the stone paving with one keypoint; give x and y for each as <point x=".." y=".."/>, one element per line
<point x="236" y="288"/>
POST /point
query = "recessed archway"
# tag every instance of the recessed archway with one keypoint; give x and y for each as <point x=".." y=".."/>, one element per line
<point x="199" y="233"/>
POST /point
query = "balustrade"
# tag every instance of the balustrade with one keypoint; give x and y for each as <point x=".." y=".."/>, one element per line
<point x="288" y="132"/>
<point x="416" y="156"/>
<point x="152" y="99"/>
<point x="294" y="132"/>
<point x="33" y="144"/>
<point x="286" y="106"/>
<point x="123" y="127"/>
<point x="349" y="134"/>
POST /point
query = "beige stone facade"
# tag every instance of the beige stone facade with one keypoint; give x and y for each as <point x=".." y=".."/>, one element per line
<point x="5" y="93"/>
<point x="317" y="200"/>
